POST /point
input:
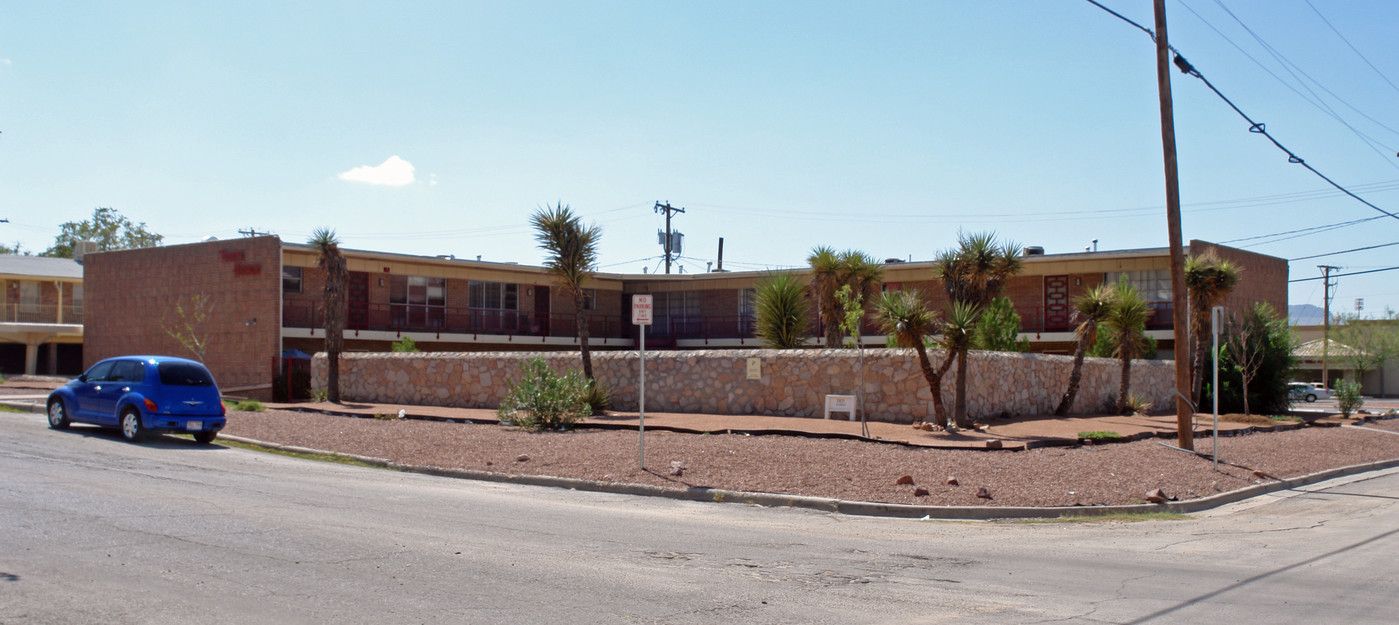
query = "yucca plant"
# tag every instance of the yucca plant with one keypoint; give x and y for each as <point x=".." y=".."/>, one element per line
<point x="1208" y="280"/>
<point x="572" y="258"/>
<point x="904" y="316"/>
<point x="1124" y="325"/>
<point x="1090" y="309"/>
<point x="782" y="311"/>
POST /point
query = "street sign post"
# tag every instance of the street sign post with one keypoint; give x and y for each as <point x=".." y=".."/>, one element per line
<point x="641" y="316"/>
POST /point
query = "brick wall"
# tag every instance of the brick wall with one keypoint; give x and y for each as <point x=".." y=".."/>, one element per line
<point x="1263" y="279"/>
<point x="131" y="297"/>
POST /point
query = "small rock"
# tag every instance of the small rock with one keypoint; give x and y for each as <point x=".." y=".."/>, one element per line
<point x="489" y="463"/>
<point x="980" y="427"/>
<point x="1259" y="474"/>
<point x="952" y="481"/>
<point x="920" y="492"/>
<point x="994" y="443"/>
<point x="983" y="493"/>
<point x="677" y="468"/>
<point x="918" y="425"/>
<point x="906" y="479"/>
<point x="521" y="458"/>
<point x="1156" y="496"/>
<point x="928" y="427"/>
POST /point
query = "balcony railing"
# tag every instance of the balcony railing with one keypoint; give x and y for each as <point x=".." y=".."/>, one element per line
<point x="20" y="313"/>
<point x="306" y="313"/>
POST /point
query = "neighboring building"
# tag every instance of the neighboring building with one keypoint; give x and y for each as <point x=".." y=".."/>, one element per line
<point x="1312" y="361"/>
<point x="41" y="326"/>
<point x="266" y="298"/>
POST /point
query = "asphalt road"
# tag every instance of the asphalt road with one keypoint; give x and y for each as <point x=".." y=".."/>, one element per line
<point x="95" y="530"/>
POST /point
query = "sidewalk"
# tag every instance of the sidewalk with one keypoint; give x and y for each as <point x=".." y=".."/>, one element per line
<point x="1013" y="433"/>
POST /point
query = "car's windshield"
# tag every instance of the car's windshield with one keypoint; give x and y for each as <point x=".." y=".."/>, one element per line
<point x="184" y="374"/>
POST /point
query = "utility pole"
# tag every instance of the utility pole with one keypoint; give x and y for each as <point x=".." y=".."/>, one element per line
<point x="668" y="210"/>
<point x="1326" y="322"/>
<point x="1185" y="413"/>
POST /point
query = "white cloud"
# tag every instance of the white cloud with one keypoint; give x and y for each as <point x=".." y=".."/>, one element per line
<point x="394" y="172"/>
<point x="4" y="61"/>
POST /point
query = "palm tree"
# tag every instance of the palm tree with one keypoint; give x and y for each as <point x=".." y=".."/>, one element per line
<point x="1208" y="279"/>
<point x="905" y="316"/>
<point x="332" y="262"/>
<point x="1125" y="325"/>
<point x="782" y="320"/>
<point x="973" y="274"/>
<point x="572" y="258"/>
<point x="1090" y="309"/>
<point x="831" y="270"/>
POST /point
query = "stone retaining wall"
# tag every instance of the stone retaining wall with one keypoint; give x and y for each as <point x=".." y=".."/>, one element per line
<point x="792" y="382"/>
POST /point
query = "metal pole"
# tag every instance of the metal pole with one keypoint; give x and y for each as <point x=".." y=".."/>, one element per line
<point x="1216" y="314"/>
<point x="641" y="431"/>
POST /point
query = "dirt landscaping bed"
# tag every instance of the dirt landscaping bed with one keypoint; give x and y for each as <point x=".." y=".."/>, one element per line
<point x="1119" y="473"/>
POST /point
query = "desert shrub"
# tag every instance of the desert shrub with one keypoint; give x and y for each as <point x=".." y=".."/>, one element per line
<point x="1267" y="392"/>
<point x="781" y="311"/>
<point x="998" y="330"/>
<point x="249" y="405"/>
<point x="1137" y="405"/>
<point x="405" y="345"/>
<point x="598" y="396"/>
<point x="1103" y="347"/>
<point x="1348" y="397"/>
<point x="544" y="400"/>
<point x="1100" y="435"/>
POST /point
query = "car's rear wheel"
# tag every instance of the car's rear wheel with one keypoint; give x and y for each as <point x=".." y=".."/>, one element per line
<point x="204" y="438"/>
<point x="58" y="414"/>
<point x="131" y="429"/>
<point x="1311" y="398"/>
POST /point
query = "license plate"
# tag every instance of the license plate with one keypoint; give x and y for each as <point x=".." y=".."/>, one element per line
<point x="194" y="426"/>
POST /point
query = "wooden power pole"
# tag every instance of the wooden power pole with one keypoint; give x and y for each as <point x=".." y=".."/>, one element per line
<point x="1185" y="413"/>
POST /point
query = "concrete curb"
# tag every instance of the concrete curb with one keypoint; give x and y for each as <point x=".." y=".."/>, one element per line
<point x="27" y="405"/>
<point x="856" y="508"/>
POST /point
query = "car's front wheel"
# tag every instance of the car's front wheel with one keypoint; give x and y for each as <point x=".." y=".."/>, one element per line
<point x="204" y="438"/>
<point x="1311" y="398"/>
<point x="58" y="414"/>
<point x="131" y="429"/>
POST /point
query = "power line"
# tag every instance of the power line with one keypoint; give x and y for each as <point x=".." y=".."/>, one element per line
<point x="1342" y="275"/>
<point x="1254" y="127"/>
<point x="1358" y="249"/>
<point x="1352" y="47"/>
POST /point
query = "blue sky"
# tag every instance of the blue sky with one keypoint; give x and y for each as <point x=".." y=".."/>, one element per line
<point x="437" y="128"/>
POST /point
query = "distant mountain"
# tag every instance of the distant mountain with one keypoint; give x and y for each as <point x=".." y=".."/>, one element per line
<point x="1305" y="315"/>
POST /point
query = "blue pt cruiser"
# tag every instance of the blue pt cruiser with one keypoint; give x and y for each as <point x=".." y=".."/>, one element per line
<point x="142" y="394"/>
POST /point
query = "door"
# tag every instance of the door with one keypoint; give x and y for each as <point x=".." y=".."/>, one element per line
<point x="541" y="310"/>
<point x="87" y="390"/>
<point x="1056" y="303"/>
<point x="357" y="301"/>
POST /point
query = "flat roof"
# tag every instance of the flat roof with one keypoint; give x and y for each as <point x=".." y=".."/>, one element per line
<point x="16" y="265"/>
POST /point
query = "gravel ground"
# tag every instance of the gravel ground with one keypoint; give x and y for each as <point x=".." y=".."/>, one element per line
<point x="1119" y="473"/>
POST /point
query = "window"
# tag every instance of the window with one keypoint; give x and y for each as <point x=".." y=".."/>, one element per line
<point x="417" y="290"/>
<point x="78" y="298"/>
<point x="184" y="374"/>
<point x="99" y="372"/>
<point x="29" y="297"/>
<point x="1153" y="285"/>
<point x="589" y="299"/>
<point x="493" y="295"/>
<point x="291" y="279"/>
<point x="677" y="313"/>
<point x="128" y="371"/>
<point x="747" y="312"/>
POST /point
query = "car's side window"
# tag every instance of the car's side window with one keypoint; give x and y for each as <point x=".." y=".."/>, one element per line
<point x="129" y="371"/>
<point x="100" y="372"/>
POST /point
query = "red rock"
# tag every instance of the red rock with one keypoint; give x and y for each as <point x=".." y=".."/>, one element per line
<point x="907" y="479"/>
<point x="1259" y="474"/>
<point x="521" y="458"/>
<point x="1156" y="496"/>
<point x="920" y="492"/>
<point x="677" y="468"/>
<point x="994" y="443"/>
<point x="983" y="493"/>
<point x="951" y="481"/>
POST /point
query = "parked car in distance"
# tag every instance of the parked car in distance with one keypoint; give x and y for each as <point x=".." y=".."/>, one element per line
<point x="140" y="395"/>
<point x="1306" y="392"/>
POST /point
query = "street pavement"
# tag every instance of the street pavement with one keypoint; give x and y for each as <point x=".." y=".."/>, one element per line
<point x="96" y="530"/>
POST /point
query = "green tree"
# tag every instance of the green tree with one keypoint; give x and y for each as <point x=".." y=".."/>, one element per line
<point x="572" y="258"/>
<point x="973" y="273"/>
<point x="1208" y="280"/>
<point x="1090" y="309"/>
<point x="17" y="250"/>
<point x="332" y="262"/>
<point x="831" y="270"/>
<point x="188" y="326"/>
<point x="108" y="228"/>
<point x="1375" y="342"/>
<point x="1125" y="326"/>
<point x="406" y="345"/>
<point x="999" y="328"/>
<point x="1247" y="342"/>
<point x="1267" y="388"/>
<point x="904" y="316"/>
<point x="781" y="311"/>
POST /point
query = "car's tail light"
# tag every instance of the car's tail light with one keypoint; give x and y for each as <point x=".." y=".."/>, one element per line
<point x="223" y="409"/>
<point x="151" y="407"/>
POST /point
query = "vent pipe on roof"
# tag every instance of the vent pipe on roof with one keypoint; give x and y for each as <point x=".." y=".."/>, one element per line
<point x="1033" y="250"/>
<point x="721" y="254"/>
